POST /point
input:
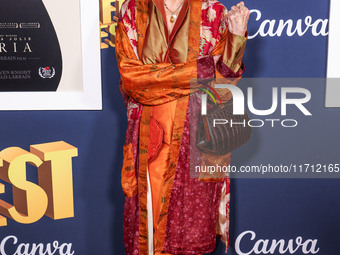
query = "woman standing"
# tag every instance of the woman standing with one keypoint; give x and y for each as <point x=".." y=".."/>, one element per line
<point x="160" y="46"/>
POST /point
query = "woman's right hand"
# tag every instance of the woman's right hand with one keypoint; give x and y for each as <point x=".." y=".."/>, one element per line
<point x="238" y="17"/>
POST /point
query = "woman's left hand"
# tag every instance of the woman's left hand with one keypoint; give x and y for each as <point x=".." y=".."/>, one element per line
<point x="238" y="17"/>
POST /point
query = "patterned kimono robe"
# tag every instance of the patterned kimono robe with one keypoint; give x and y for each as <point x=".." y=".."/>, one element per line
<point x="191" y="210"/>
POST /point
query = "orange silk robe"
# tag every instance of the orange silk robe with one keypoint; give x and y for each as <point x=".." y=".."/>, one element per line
<point x="160" y="78"/>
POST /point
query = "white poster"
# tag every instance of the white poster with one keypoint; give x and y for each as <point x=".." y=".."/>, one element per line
<point x="49" y="55"/>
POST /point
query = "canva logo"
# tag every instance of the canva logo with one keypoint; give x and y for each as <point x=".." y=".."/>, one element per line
<point x="52" y="196"/>
<point x="266" y="246"/>
<point x="300" y="27"/>
<point x="35" y="249"/>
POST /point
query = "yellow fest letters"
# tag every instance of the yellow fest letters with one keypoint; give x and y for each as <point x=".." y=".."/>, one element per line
<point x="109" y="13"/>
<point x="53" y="196"/>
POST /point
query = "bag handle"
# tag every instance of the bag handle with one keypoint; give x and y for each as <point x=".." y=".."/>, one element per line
<point x="209" y="93"/>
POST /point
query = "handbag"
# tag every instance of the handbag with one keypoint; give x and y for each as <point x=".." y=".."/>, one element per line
<point x="223" y="138"/>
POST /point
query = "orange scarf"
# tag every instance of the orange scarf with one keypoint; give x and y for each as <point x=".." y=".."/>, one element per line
<point x="154" y="84"/>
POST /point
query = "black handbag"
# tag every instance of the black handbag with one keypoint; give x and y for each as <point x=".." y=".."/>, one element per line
<point x="223" y="138"/>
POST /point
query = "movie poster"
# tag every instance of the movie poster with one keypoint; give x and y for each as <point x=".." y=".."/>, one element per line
<point x="41" y="50"/>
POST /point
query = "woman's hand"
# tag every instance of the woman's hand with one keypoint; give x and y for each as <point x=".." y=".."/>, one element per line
<point x="238" y="17"/>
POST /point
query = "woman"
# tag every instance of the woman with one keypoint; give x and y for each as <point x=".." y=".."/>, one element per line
<point x="160" y="46"/>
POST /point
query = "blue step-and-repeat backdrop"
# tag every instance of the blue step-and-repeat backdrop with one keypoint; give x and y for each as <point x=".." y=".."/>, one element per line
<point x="300" y="213"/>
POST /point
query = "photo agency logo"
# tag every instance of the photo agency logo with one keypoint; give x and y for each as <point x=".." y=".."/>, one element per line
<point x="222" y="123"/>
<point x="302" y="96"/>
<point x="223" y="118"/>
